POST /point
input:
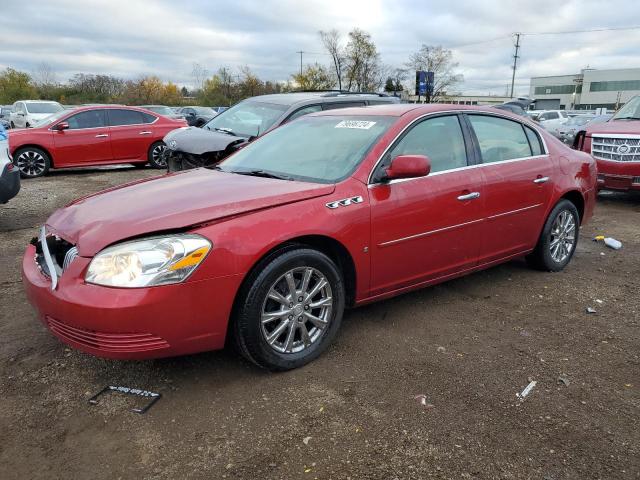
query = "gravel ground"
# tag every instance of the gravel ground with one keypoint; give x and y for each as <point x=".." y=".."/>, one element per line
<point x="468" y="346"/>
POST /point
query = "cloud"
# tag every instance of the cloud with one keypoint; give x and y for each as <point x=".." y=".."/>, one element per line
<point x="164" y="37"/>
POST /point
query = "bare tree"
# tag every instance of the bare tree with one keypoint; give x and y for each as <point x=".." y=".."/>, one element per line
<point x="333" y="44"/>
<point x="438" y="60"/>
<point x="44" y="75"/>
<point x="199" y="74"/>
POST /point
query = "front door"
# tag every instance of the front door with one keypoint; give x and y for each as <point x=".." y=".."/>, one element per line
<point x="519" y="183"/>
<point x="85" y="142"/>
<point x="427" y="228"/>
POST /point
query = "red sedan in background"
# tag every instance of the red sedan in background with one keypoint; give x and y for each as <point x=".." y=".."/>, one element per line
<point x="332" y="210"/>
<point x="89" y="136"/>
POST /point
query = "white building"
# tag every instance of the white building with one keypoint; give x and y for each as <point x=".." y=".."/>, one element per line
<point x="588" y="90"/>
<point x="463" y="99"/>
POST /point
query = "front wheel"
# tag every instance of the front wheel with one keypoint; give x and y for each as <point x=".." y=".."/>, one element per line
<point x="155" y="155"/>
<point x="558" y="239"/>
<point x="32" y="162"/>
<point x="290" y="309"/>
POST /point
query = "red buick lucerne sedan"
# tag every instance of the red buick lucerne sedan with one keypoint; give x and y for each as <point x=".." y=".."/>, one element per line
<point x="89" y="136"/>
<point x="333" y="210"/>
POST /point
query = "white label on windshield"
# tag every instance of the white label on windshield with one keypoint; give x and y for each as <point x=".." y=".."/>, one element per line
<point x="361" y="124"/>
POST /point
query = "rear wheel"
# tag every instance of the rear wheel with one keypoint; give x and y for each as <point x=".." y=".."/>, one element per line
<point x="558" y="239"/>
<point x="156" y="159"/>
<point x="290" y="309"/>
<point x="32" y="162"/>
<point x="13" y="125"/>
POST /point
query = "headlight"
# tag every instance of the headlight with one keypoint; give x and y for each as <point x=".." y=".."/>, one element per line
<point x="148" y="262"/>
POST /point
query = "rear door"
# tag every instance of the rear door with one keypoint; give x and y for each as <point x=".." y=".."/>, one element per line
<point x="429" y="227"/>
<point x="131" y="133"/>
<point x="85" y="142"/>
<point x="518" y="184"/>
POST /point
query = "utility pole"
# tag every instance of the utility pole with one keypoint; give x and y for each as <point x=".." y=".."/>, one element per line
<point x="515" y="62"/>
<point x="300" y="52"/>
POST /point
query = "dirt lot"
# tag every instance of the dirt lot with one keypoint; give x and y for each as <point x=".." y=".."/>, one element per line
<point x="468" y="345"/>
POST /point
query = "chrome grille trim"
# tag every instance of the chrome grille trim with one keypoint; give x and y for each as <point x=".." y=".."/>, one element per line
<point x="47" y="258"/>
<point x="616" y="148"/>
<point x="69" y="257"/>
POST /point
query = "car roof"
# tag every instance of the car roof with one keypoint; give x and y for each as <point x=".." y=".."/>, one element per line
<point x="397" y="110"/>
<point x="37" y="101"/>
<point x="105" y="107"/>
<point x="293" y="98"/>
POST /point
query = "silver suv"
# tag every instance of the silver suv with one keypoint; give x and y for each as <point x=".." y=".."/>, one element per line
<point x="247" y="120"/>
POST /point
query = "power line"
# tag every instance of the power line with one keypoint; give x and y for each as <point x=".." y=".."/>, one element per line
<point x="609" y="29"/>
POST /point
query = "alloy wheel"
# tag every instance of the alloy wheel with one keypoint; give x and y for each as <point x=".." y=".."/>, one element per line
<point x="297" y="310"/>
<point x="31" y="163"/>
<point x="563" y="236"/>
<point x="157" y="155"/>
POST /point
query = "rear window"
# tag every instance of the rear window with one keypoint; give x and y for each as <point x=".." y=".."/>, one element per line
<point x="118" y="117"/>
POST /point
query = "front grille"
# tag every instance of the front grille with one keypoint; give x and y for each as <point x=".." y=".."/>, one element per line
<point x="107" y="342"/>
<point x="617" y="148"/>
<point x="62" y="254"/>
<point x="636" y="180"/>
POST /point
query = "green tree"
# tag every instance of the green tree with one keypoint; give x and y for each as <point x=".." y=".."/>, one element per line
<point x="363" y="68"/>
<point x="313" y="77"/>
<point x="16" y="85"/>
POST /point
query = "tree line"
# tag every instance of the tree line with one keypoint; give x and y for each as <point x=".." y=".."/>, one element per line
<point x="354" y="64"/>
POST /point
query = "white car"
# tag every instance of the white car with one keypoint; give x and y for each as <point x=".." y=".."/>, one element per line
<point x="9" y="174"/>
<point x="551" y="120"/>
<point x="26" y="113"/>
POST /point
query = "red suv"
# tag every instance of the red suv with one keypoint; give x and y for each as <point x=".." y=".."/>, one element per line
<point x="332" y="210"/>
<point x="616" y="147"/>
<point x="89" y="136"/>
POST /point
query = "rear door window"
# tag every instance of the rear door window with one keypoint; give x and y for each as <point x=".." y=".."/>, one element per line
<point x="500" y="139"/>
<point x="119" y="117"/>
<point x="304" y="111"/>
<point x="534" y="141"/>
<point x="88" y="119"/>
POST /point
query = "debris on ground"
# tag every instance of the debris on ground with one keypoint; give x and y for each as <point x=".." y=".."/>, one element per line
<point x="609" y="242"/>
<point x="422" y="400"/>
<point x="591" y="310"/>
<point x="564" y="380"/>
<point x="129" y="391"/>
<point x="441" y="349"/>
<point x="305" y="440"/>
<point x="527" y="390"/>
<point x="599" y="301"/>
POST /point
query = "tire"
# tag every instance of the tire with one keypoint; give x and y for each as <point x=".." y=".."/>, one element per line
<point x="200" y="123"/>
<point x="32" y="162"/>
<point x="155" y="157"/>
<point x="13" y="125"/>
<point x="278" y="342"/>
<point x="558" y="240"/>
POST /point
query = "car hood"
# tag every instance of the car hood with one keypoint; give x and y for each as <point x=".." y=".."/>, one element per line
<point x="40" y="116"/>
<point x="615" y="126"/>
<point x="199" y="140"/>
<point x="171" y="202"/>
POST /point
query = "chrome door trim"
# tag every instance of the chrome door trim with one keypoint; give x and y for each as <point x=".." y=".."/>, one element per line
<point x="454" y="112"/>
<point x="510" y="212"/>
<point x="469" y="196"/>
<point x="430" y="232"/>
<point x="541" y="180"/>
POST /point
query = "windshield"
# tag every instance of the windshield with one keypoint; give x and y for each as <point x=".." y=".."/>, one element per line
<point x="631" y="110"/>
<point x="205" y="111"/>
<point x="580" y="120"/>
<point x="248" y="118"/>
<point x="51" y="118"/>
<point x="315" y="149"/>
<point x="43" y="107"/>
<point x="161" y="110"/>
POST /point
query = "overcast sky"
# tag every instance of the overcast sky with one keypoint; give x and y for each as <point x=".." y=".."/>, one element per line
<point x="129" y="38"/>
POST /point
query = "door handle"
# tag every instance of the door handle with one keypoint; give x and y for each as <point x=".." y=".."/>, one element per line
<point x="541" y="180"/>
<point x="102" y="135"/>
<point x="146" y="132"/>
<point x="469" y="196"/>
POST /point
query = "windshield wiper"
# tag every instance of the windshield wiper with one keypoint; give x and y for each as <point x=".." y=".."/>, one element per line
<point x="627" y="118"/>
<point x="262" y="173"/>
<point x="228" y="131"/>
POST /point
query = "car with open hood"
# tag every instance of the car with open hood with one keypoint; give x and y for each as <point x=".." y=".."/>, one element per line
<point x="235" y="127"/>
<point x="616" y="147"/>
<point x="337" y="209"/>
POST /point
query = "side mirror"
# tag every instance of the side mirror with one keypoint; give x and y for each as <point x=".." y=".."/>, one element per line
<point x="62" y="126"/>
<point x="408" y="166"/>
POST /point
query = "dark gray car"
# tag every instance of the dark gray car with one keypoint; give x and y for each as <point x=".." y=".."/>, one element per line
<point x="249" y="119"/>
